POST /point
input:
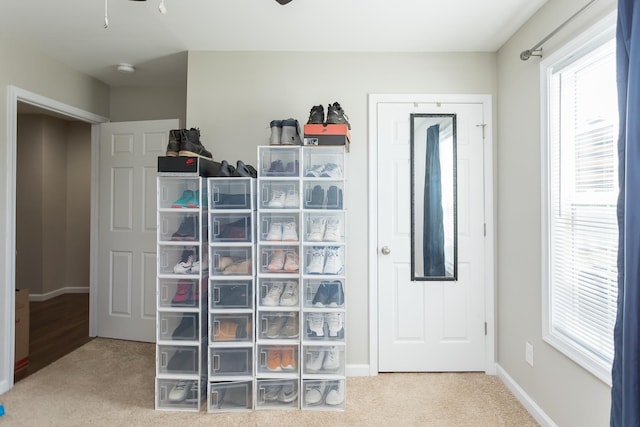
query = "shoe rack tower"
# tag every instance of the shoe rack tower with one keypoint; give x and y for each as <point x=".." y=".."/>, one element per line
<point x="262" y="324"/>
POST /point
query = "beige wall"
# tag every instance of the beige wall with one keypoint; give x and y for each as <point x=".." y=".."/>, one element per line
<point x="78" y="218"/>
<point x="29" y="204"/>
<point x="566" y="392"/>
<point x="148" y="103"/>
<point x="52" y="204"/>
<point x="232" y="97"/>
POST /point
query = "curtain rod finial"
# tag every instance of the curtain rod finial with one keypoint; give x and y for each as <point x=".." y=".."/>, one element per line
<point x="525" y="55"/>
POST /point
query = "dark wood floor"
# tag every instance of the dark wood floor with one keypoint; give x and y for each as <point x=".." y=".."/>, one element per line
<point x="57" y="327"/>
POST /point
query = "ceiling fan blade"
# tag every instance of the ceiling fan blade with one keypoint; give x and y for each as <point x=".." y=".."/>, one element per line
<point x="283" y="2"/>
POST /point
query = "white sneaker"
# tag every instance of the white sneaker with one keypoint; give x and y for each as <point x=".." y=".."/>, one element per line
<point x="289" y="296"/>
<point x="331" y="360"/>
<point x="179" y="391"/>
<point x="184" y="267"/>
<point x="314" y="170"/>
<point x="335" y="322"/>
<point x="276" y="262"/>
<point x="335" y="395"/>
<point x="290" y="232"/>
<point x="292" y="200"/>
<point x="291" y="262"/>
<point x="316" y="229"/>
<point x="333" y="264"/>
<point x="316" y="263"/>
<point x="315" y="361"/>
<point x="278" y="199"/>
<point x="195" y="267"/>
<point x="331" y="170"/>
<point x="316" y="324"/>
<point x="332" y="232"/>
<point x="315" y="393"/>
<point x="273" y="294"/>
<point x="275" y="231"/>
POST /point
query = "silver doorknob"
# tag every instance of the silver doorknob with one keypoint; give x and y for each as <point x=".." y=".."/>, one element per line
<point x="385" y="250"/>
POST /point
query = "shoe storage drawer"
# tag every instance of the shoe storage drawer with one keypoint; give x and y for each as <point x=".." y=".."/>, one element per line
<point x="278" y="325"/>
<point x="326" y="260"/>
<point x="174" y="326"/>
<point x="323" y="394"/>
<point x="231" y="193"/>
<point x="328" y="326"/>
<point x="178" y="293"/>
<point x="230" y="227"/>
<point x="279" y="194"/>
<point x="277" y="359"/>
<point x="323" y="293"/>
<point x="279" y="259"/>
<point x="279" y="227"/>
<point x="231" y="327"/>
<point x="182" y="259"/>
<point x="278" y="161"/>
<point x="323" y="227"/>
<point x="176" y="226"/>
<point x="181" y="360"/>
<point x="230" y="361"/>
<point x="323" y="360"/>
<point x="230" y="396"/>
<point x="231" y="261"/>
<point x="322" y="195"/>
<point x="177" y="395"/>
<point x="275" y="292"/>
<point x="323" y="162"/>
<point x="183" y="193"/>
<point x="277" y="394"/>
<point x="232" y="294"/>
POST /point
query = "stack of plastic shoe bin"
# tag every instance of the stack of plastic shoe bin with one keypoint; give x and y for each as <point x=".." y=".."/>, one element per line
<point x="301" y="253"/>
<point x="231" y="347"/>
<point x="182" y="276"/>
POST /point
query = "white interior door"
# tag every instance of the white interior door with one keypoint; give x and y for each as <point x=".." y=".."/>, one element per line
<point x="127" y="227"/>
<point x="429" y="325"/>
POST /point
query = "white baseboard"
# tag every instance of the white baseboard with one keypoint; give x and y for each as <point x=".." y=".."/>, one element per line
<point x="58" y="292"/>
<point x="536" y="412"/>
<point x="358" y="371"/>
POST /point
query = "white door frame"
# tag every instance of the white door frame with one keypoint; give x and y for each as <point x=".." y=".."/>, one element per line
<point x="489" y="279"/>
<point x="7" y="288"/>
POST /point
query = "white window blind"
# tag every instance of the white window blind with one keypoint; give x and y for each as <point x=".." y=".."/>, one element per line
<point x="582" y="190"/>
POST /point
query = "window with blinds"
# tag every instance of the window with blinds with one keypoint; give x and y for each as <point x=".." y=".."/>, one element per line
<point x="580" y="280"/>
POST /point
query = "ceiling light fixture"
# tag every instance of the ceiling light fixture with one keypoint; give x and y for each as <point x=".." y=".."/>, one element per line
<point x="125" y="68"/>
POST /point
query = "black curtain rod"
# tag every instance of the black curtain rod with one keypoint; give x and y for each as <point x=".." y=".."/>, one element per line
<point x="537" y="49"/>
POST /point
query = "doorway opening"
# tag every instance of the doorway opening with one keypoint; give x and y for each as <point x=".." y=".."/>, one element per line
<point x="51" y="108"/>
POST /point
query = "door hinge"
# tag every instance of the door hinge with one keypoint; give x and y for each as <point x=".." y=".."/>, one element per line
<point x="485" y="230"/>
<point x="485" y="328"/>
<point x="483" y="126"/>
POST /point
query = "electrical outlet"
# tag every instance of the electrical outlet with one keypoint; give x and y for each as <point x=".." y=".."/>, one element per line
<point x="528" y="353"/>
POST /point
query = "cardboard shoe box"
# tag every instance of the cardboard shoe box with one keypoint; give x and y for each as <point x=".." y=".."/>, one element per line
<point x="181" y="165"/>
<point x="22" y="330"/>
<point x="327" y="135"/>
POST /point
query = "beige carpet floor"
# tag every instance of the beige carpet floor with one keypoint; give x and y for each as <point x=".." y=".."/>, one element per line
<point x="111" y="383"/>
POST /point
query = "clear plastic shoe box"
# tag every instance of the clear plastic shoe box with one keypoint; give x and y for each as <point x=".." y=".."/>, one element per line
<point x="231" y="327"/>
<point x="177" y="326"/>
<point x="277" y="360"/>
<point x="178" y="394"/>
<point x="279" y="161"/>
<point x="230" y="227"/>
<point x="322" y="360"/>
<point x="226" y="362"/>
<point x="233" y="396"/>
<point x="231" y="294"/>
<point x="277" y="394"/>
<point x="324" y="394"/>
<point x="233" y="193"/>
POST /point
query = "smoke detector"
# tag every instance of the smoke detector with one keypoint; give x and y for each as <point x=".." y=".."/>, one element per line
<point x="125" y="68"/>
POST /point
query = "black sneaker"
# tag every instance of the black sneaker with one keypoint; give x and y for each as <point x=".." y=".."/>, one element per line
<point x="321" y="297"/>
<point x="245" y="170"/>
<point x="335" y="294"/>
<point x="317" y="197"/>
<point x="336" y="115"/>
<point x="190" y="145"/>
<point x="225" y="169"/>
<point x="188" y="230"/>
<point x="185" y="330"/>
<point x="173" y="147"/>
<point x="316" y="115"/>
